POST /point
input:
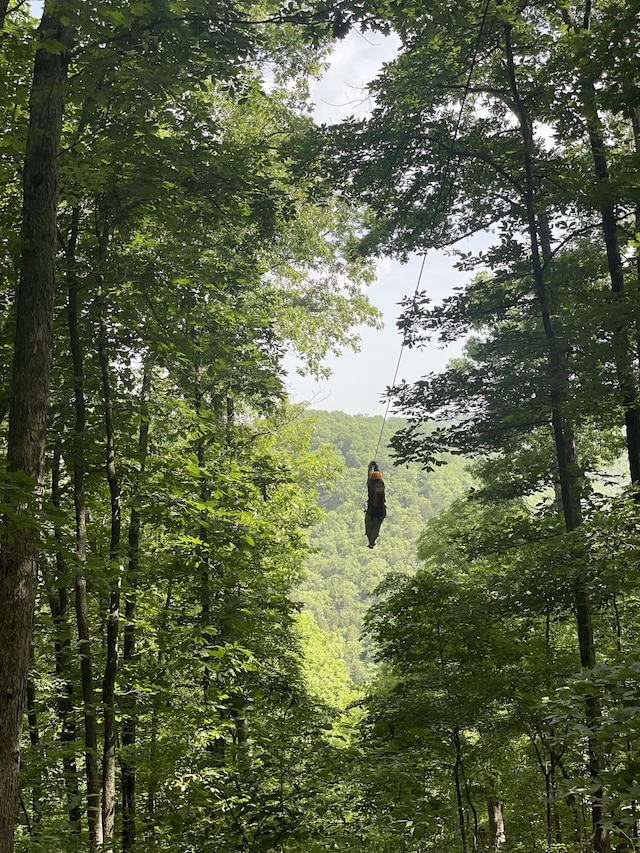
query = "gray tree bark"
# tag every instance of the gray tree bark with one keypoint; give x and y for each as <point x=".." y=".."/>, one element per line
<point x="129" y="702"/>
<point x="28" y="404"/>
<point x="94" y="809"/>
<point x="568" y="469"/>
<point x="113" y="619"/>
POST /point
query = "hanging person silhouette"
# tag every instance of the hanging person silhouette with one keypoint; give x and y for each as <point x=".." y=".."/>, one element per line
<point x="376" y="509"/>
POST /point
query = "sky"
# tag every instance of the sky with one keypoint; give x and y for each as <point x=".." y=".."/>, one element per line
<point x="358" y="380"/>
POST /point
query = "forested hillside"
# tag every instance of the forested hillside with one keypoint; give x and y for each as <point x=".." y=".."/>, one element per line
<point x="343" y="573"/>
<point x="184" y="574"/>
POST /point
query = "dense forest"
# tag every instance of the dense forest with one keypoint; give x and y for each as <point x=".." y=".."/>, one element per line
<point x="341" y="575"/>
<point x="198" y="652"/>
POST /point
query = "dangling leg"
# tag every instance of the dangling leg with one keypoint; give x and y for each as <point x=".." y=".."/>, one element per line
<point x="372" y="528"/>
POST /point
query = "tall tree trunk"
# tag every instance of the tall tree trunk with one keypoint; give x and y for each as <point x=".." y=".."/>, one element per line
<point x="34" y="740"/>
<point x="128" y="767"/>
<point x="473" y="809"/>
<point x="622" y="350"/>
<point x="94" y="809"/>
<point x="59" y="606"/>
<point x="152" y="760"/>
<point x="94" y="818"/>
<point x="29" y="401"/>
<point x="568" y="468"/>
<point x="113" y="619"/>
<point x="458" y="786"/>
<point x="551" y="780"/>
<point x="205" y="568"/>
<point x="635" y="123"/>
<point x="626" y="373"/>
<point x="497" y="836"/>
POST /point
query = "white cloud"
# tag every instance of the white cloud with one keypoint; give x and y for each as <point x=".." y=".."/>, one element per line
<point x="383" y="267"/>
<point x="356" y="60"/>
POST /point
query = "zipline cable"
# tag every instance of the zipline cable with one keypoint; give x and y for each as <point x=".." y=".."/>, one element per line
<point x="436" y="210"/>
<point x="397" y="370"/>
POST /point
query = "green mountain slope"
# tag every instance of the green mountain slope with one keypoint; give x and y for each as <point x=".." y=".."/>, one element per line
<point x="343" y="572"/>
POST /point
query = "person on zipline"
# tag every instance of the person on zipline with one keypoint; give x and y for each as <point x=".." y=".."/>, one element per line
<point x="376" y="509"/>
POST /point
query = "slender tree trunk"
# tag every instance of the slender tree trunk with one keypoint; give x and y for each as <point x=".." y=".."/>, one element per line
<point x="622" y="351"/>
<point x="205" y="571"/>
<point x="547" y="769"/>
<point x="496" y="825"/>
<point x="154" y="776"/>
<point x="497" y="836"/>
<point x="128" y="767"/>
<point x="90" y="721"/>
<point x="558" y="373"/>
<point x="458" y="786"/>
<point x="59" y="606"/>
<point x="551" y="781"/>
<point x="621" y="343"/>
<point x="635" y="123"/>
<point x="34" y="740"/>
<point x="29" y="402"/>
<point x="231" y="418"/>
<point x="94" y="810"/>
<point x="128" y="764"/>
<point x="474" y="811"/>
<point x="568" y="469"/>
<point x="548" y="814"/>
<point x="217" y="746"/>
<point x="113" y="619"/>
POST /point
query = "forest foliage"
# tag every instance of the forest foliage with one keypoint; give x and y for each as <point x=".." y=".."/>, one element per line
<point x="184" y="573"/>
<point x="342" y="574"/>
